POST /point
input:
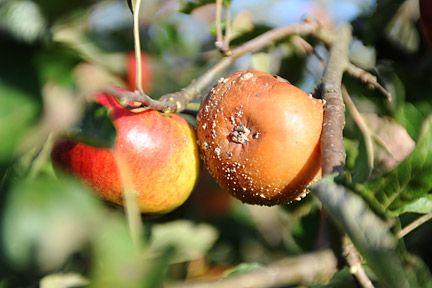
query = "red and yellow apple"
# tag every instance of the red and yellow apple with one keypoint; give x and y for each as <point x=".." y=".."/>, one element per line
<point x="155" y="156"/>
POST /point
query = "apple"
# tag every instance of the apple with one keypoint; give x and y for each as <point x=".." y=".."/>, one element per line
<point x="155" y="155"/>
<point x="131" y="72"/>
<point x="260" y="137"/>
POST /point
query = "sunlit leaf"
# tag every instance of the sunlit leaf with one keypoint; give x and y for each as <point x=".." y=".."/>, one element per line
<point x="407" y="183"/>
<point x="242" y="269"/>
<point x="119" y="261"/>
<point x="17" y="113"/>
<point x="67" y="280"/>
<point x="191" y="241"/>
<point x="46" y="220"/>
<point x="23" y="19"/>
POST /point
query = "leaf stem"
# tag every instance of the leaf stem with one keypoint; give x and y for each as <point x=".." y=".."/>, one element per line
<point x="414" y="225"/>
<point x="138" y="79"/>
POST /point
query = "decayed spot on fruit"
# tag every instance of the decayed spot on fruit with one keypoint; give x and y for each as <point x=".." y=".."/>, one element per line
<point x="159" y="153"/>
<point x="260" y="137"/>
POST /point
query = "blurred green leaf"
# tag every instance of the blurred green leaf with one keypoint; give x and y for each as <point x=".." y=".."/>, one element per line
<point x="187" y="6"/>
<point x="23" y="19"/>
<point x="400" y="190"/>
<point x="411" y="117"/>
<point x="370" y="234"/>
<point x="393" y="84"/>
<point x="402" y="30"/>
<point x="46" y="220"/>
<point x="118" y="261"/>
<point x="17" y="112"/>
<point x="417" y="271"/>
<point x="157" y="268"/>
<point x="67" y="280"/>
<point x="56" y="63"/>
<point x="242" y="268"/>
<point x="341" y="279"/>
<point x="191" y="241"/>
<point x="96" y="127"/>
<point x="364" y="162"/>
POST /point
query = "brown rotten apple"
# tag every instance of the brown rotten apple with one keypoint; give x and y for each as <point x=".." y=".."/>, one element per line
<point x="154" y="153"/>
<point x="260" y="137"/>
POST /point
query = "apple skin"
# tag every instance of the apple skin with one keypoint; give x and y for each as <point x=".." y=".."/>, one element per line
<point x="146" y="71"/>
<point x="157" y="154"/>
<point x="279" y="155"/>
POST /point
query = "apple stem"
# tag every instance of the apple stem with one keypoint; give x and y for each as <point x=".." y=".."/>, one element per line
<point x="138" y="79"/>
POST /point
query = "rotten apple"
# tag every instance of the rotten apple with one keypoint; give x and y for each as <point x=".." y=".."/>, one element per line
<point x="155" y="155"/>
<point x="260" y="137"/>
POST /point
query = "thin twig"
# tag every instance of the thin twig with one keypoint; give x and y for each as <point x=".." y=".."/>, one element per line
<point x="415" y="224"/>
<point x="362" y="125"/>
<point x="196" y="87"/>
<point x="226" y="43"/>
<point x="367" y="78"/>
<point x="304" y="269"/>
<point x="138" y="79"/>
<point x="222" y="41"/>
<point x="354" y="260"/>
<point x="218" y="23"/>
<point x="332" y="146"/>
<point x="378" y="140"/>
<point x="328" y="38"/>
<point x="177" y="101"/>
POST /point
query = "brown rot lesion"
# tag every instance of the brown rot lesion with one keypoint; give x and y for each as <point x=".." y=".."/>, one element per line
<point x="240" y="134"/>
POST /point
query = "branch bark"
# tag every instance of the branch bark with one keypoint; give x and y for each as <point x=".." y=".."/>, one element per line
<point x="354" y="260"/>
<point x="177" y="101"/>
<point x="332" y="147"/>
<point x="304" y="269"/>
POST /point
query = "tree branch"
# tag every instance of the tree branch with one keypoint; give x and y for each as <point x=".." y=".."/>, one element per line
<point x="177" y="101"/>
<point x="415" y="224"/>
<point x="332" y="146"/>
<point x="304" y="269"/>
<point x="367" y="78"/>
<point x="354" y="260"/>
<point x="328" y="38"/>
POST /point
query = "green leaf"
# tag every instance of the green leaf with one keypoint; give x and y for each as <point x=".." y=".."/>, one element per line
<point x="341" y="279"/>
<point x="96" y="127"/>
<point x="46" y="220"/>
<point x="66" y="280"/>
<point x="187" y="6"/>
<point x="365" y="159"/>
<point x="400" y="190"/>
<point x="17" y="113"/>
<point x="393" y="84"/>
<point x="23" y="19"/>
<point x="157" y="270"/>
<point x="370" y="234"/>
<point x="242" y="268"/>
<point x="191" y="241"/>
<point x="118" y="261"/>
